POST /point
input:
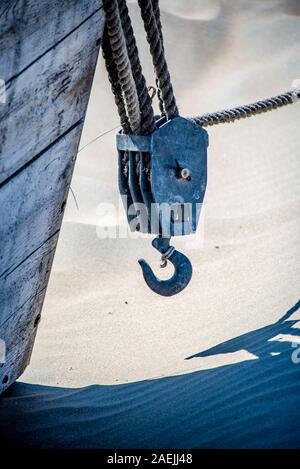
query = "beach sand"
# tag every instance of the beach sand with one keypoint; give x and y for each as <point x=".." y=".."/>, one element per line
<point x="114" y="365"/>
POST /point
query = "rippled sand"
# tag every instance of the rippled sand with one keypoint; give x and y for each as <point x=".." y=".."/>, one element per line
<point x="102" y="326"/>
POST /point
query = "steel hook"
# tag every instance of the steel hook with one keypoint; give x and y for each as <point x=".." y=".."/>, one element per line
<point x="182" y="265"/>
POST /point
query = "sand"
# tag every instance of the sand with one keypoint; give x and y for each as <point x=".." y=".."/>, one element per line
<point x="114" y="365"/>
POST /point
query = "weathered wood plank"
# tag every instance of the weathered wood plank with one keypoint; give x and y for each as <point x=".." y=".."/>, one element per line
<point x="17" y="360"/>
<point x="22" y="294"/>
<point x="15" y="330"/>
<point x="48" y="58"/>
<point x="29" y="28"/>
<point x="32" y="202"/>
<point x="26" y="281"/>
<point x="49" y="97"/>
<point x="18" y="336"/>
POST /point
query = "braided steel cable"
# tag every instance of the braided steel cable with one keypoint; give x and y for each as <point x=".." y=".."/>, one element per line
<point x="159" y="61"/>
<point x="247" y="110"/>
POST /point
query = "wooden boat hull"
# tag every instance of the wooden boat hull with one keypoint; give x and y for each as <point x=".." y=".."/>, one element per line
<point x="48" y="55"/>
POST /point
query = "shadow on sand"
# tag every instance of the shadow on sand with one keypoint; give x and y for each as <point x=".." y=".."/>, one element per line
<point x="252" y="404"/>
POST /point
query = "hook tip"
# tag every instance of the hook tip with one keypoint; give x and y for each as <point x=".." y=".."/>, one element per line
<point x="174" y="285"/>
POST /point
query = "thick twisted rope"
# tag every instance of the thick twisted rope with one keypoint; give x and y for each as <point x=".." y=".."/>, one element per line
<point x="122" y="63"/>
<point x="128" y="83"/>
<point x="114" y="81"/>
<point x="159" y="61"/>
<point x="147" y="115"/>
<point x="156" y="11"/>
<point x="247" y="110"/>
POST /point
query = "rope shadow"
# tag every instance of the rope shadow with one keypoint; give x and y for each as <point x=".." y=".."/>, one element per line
<point x="259" y="342"/>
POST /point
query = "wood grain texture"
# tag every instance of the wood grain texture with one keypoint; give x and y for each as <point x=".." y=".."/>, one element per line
<point x="21" y="296"/>
<point x="48" y="55"/>
<point x="26" y="281"/>
<point x="32" y="202"/>
<point x="16" y="329"/>
<point x="16" y="361"/>
<point x="47" y="98"/>
<point x="34" y="27"/>
<point x="18" y="335"/>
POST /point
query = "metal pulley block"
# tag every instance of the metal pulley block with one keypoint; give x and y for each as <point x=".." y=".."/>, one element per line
<point x="162" y="181"/>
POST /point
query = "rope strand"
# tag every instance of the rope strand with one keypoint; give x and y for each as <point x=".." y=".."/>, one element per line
<point x="247" y="110"/>
<point x="159" y="61"/>
<point x="156" y="10"/>
<point x="114" y="81"/>
<point x="122" y="63"/>
<point x="147" y="115"/>
<point x="128" y="83"/>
